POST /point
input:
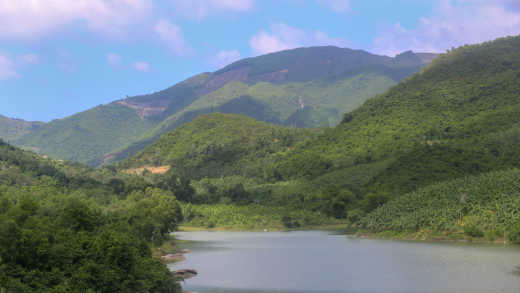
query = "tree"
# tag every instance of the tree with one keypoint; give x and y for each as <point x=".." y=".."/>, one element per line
<point x="179" y="185"/>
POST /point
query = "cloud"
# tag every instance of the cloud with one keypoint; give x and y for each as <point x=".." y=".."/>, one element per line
<point x="200" y="9"/>
<point x="171" y="35"/>
<point x="29" y="19"/>
<point x="224" y="58"/>
<point x="284" y="37"/>
<point x="7" y="70"/>
<point x="454" y="23"/>
<point x="141" y="66"/>
<point x="340" y="6"/>
<point x="114" y="59"/>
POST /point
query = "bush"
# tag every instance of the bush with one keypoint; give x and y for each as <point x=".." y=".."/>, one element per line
<point x="514" y="235"/>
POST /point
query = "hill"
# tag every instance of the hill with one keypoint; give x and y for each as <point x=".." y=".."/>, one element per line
<point x="87" y="136"/>
<point x="478" y="206"/>
<point x="71" y="232"/>
<point x="458" y="116"/>
<point x="306" y="87"/>
<point x="217" y="145"/>
<point x="13" y="129"/>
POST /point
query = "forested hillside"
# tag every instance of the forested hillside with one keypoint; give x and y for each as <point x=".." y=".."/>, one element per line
<point x="62" y="230"/>
<point x="478" y="206"/>
<point x="217" y="145"/>
<point x="13" y="129"/>
<point x="457" y="117"/>
<point x="87" y="136"/>
<point x="305" y="87"/>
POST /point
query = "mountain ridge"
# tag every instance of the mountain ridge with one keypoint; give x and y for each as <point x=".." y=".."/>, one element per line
<point x="327" y="80"/>
<point x="460" y="116"/>
<point x="14" y="128"/>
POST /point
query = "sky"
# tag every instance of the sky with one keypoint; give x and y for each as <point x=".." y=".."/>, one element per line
<point x="60" y="57"/>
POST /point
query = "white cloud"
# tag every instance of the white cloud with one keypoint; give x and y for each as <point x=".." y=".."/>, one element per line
<point x="114" y="59"/>
<point x="454" y="23"/>
<point x="199" y="9"/>
<point x="7" y="70"/>
<point x="224" y="58"/>
<point x="340" y="6"/>
<point x="283" y="37"/>
<point x="141" y="66"/>
<point x="28" y="19"/>
<point x="171" y="35"/>
<point x="116" y="62"/>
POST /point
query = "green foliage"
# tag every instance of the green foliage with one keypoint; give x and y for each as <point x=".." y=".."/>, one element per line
<point x="459" y="116"/>
<point x="62" y="230"/>
<point x="514" y="235"/>
<point x="473" y="205"/>
<point x="153" y="213"/>
<point x="251" y="216"/>
<point x="180" y="186"/>
<point x="218" y="145"/>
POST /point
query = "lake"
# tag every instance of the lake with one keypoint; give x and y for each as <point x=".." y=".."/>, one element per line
<point x="319" y="261"/>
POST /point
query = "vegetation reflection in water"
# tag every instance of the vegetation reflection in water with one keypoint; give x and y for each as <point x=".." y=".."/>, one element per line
<point x="317" y="261"/>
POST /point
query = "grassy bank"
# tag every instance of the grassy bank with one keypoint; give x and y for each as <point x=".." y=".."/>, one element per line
<point x="252" y="217"/>
<point x="430" y="236"/>
<point x="325" y="227"/>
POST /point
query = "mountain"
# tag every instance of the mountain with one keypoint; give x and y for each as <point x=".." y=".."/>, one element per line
<point x="13" y="129"/>
<point x="87" y="136"/>
<point x="459" y="116"/>
<point x="216" y="145"/>
<point x="305" y="87"/>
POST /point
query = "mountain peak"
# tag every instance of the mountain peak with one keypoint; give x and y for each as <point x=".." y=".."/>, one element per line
<point x="328" y="80"/>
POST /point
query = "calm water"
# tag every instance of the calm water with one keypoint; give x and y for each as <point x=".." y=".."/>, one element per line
<point x="316" y="261"/>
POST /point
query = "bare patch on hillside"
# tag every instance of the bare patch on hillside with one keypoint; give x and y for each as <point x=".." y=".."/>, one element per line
<point x="146" y="110"/>
<point x="151" y="169"/>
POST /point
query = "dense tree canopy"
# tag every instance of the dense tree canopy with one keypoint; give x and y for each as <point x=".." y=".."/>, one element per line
<point x="64" y="232"/>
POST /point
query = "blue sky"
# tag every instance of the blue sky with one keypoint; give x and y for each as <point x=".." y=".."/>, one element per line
<point x="59" y="57"/>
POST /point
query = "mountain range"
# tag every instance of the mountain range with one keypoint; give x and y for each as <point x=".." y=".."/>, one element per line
<point x="437" y="153"/>
<point x="305" y="87"/>
<point x="458" y="117"/>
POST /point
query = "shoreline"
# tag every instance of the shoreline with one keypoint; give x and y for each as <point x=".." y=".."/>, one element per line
<point x="330" y="227"/>
<point x="421" y="236"/>
<point x="418" y="236"/>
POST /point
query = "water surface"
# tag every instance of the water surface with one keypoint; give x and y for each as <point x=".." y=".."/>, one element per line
<point x="318" y="261"/>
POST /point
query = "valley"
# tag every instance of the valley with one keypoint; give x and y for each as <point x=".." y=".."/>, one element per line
<point x="419" y="146"/>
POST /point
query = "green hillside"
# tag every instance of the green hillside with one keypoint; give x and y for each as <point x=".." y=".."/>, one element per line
<point x="216" y="145"/>
<point x="479" y="206"/>
<point x="325" y="81"/>
<point x="87" y="136"/>
<point x="459" y="116"/>
<point x="64" y="231"/>
<point x="13" y="129"/>
<point x="305" y="87"/>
